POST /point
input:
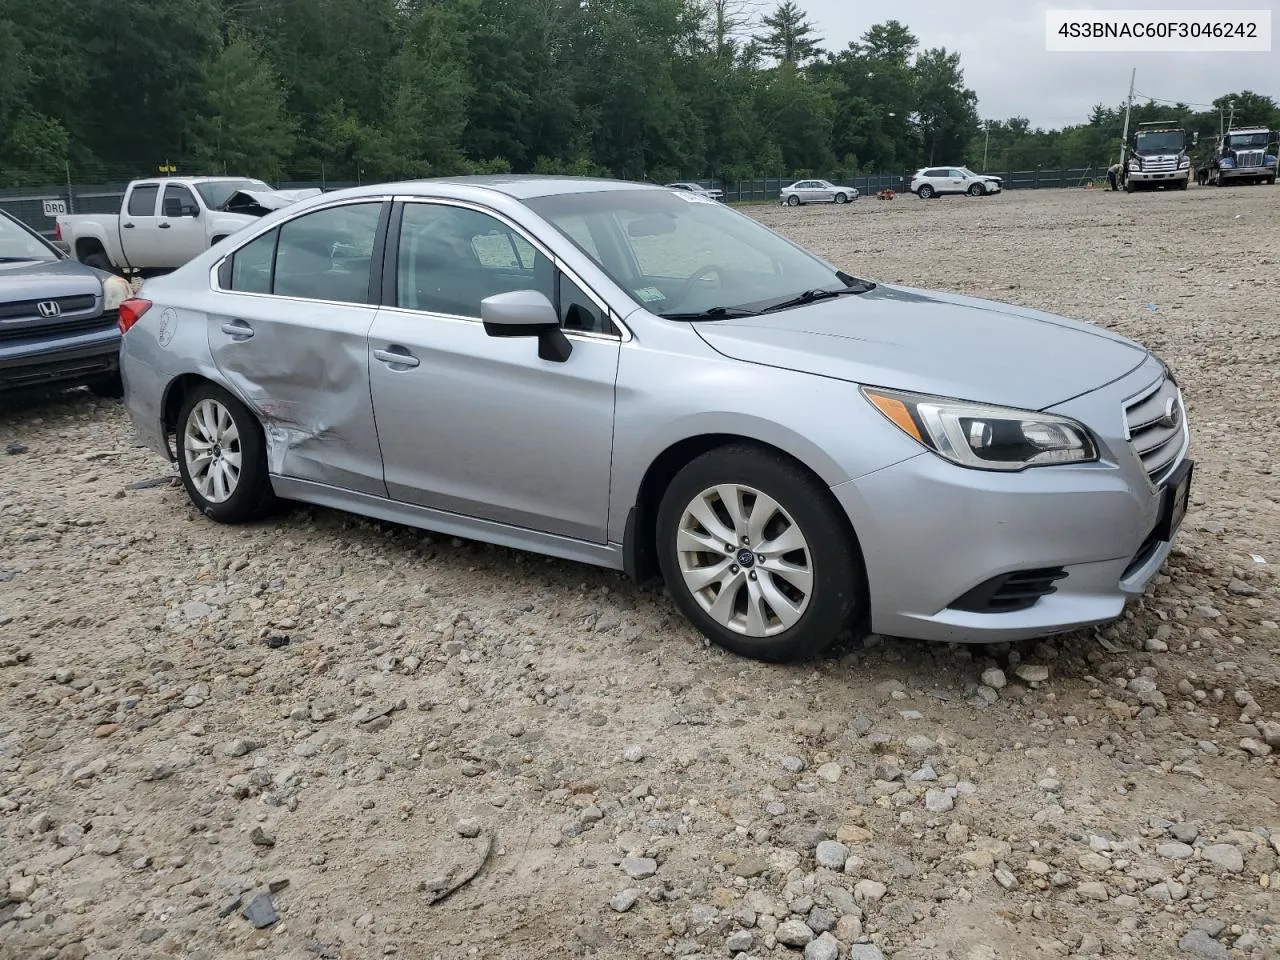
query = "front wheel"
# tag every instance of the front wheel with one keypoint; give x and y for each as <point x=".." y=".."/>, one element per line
<point x="842" y="198"/>
<point x="976" y="190"/>
<point x="222" y="456"/>
<point x="925" y="192"/>
<point x="757" y="555"/>
<point x="793" y="201"/>
<point x="100" y="261"/>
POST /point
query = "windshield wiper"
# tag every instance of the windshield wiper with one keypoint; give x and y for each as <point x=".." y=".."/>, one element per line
<point x="711" y="313"/>
<point x="812" y="296"/>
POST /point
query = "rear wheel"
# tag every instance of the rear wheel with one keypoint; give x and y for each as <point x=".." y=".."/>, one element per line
<point x="222" y="456"/>
<point x="756" y="554"/>
<point x="925" y="191"/>
<point x="793" y="201"/>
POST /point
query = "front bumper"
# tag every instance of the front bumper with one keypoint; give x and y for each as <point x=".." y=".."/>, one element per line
<point x="933" y="534"/>
<point x="1164" y="176"/>
<point x="43" y="360"/>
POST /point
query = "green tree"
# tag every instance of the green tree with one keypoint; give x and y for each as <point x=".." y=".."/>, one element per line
<point x="947" y="111"/>
<point x="244" y="128"/>
<point x="789" y="37"/>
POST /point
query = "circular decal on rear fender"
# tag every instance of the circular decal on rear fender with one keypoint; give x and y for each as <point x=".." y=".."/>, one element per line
<point x="168" y="326"/>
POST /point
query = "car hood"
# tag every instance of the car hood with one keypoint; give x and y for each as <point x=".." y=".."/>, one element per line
<point x="41" y="279"/>
<point x="943" y="344"/>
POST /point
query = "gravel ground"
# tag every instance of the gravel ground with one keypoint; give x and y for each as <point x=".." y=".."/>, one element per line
<point x="298" y="739"/>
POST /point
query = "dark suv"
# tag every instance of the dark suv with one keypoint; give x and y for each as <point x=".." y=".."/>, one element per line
<point x="58" y="320"/>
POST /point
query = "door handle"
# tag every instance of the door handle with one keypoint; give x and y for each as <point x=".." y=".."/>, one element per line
<point x="237" y="330"/>
<point x="164" y="226"/>
<point x="396" y="357"/>
<point x="128" y="226"/>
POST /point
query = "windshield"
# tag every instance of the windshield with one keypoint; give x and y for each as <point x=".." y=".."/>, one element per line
<point x="1241" y="141"/>
<point x="18" y="243"/>
<point x="680" y="253"/>
<point x="216" y="192"/>
<point x="967" y="172"/>
<point x="1170" y="141"/>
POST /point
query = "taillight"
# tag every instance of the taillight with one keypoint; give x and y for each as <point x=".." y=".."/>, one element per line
<point x="57" y="230"/>
<point x="131" y="312"/>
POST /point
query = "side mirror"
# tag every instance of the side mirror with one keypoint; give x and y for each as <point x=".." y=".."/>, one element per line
<point x="526" y="313"/>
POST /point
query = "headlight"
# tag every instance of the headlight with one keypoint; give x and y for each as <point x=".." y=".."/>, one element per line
<point x="1184" y="163"/>
<point x="982" y="437"/>
<point x="115" y="291"/>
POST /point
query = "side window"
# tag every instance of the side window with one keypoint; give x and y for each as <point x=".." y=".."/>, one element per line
<point x="179" y="202"/>
<point x="451" y="258"/>
<point x="251" y="265"/>
<point x="959" y="174"/>
<point x="576" y="229"/>
<point x="578" y="311"/>
<point x="142" y="202"/>
<point x="327" y="255"/>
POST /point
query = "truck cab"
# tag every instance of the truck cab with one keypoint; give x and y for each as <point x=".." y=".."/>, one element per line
<point x="1242" y="155"/>
<point x="1157" y="157"/>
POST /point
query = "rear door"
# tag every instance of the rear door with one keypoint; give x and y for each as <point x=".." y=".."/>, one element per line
<point x="139" y="238"/>
<point x="180" y="227"/>
<point x="291" y="337"/>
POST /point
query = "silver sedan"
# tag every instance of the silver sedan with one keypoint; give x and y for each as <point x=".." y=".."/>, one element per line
<point x="647" y="380"/>
<point x="816" y="191"/>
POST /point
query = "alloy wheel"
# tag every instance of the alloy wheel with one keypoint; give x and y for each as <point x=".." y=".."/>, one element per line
<point x="211" y="448"/>
<point x="745" y="560"/>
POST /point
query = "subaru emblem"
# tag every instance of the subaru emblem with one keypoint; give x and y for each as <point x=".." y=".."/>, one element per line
<point x="49" y="309"/>
<point x="1171" y="414"/>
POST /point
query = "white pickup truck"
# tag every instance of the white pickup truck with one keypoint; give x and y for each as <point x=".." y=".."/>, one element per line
<point x="165" y="222"/>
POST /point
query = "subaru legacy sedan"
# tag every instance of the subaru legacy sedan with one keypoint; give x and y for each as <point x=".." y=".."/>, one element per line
<point x="646" y="380"/>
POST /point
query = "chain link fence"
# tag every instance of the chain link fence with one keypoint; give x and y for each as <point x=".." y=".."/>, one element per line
<point x="38" y="206"/>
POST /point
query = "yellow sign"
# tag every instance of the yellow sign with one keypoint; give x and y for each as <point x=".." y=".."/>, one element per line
<point x="168" y="168"/>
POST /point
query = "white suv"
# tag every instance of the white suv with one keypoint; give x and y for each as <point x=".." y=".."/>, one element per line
<point x="935" y="181"/>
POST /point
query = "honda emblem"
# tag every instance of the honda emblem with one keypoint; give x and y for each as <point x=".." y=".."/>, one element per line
<point x="49" y="309"/>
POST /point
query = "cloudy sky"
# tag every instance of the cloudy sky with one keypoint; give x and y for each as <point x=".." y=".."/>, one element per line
<point x="1001" y="45"/>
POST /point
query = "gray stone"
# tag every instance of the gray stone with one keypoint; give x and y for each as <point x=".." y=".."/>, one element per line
<point x="633" y="754"/>
<point x="1210" y="925"/>
<point x="865" y="951"/>
<point x="1224" y="856"/>
<point x="1175" y="851"/>
<point x="1185" y="832"/>
<point x="793" y="764"/>
<point x="994" y="678"/>
<point x="826" y="947"/>
<point x="261" y="911"/>
<point x="794" y="933"/>
<point x="938" y="801"/>
<point x="739" y="941"/>
<point x="624" y="900"/>
<point x="469" y="827"/>
<point x="637" y="868"/>
<point x="869" y="891"/>
<point x="1089" y="946"/>
<point x="832" y="854"/>
<point x="1200" y="944"/>
<point x="1032" y="672"/>
<point x="261" y="838"/>
<point x="821" y="920"/>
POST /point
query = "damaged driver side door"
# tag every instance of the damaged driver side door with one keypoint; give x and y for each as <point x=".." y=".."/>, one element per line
<point x="291" y="339"/>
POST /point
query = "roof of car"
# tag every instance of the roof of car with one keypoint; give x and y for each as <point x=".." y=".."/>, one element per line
<point x="525" y="186"/>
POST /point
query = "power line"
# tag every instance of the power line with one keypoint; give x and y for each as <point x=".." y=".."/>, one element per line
<point x="1184" y="103"/>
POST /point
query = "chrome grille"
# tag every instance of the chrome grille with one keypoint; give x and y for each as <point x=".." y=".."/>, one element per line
<point x="1156" y="426"/>
<point x="1249" y="158"/>
<point x="30" y="309"/>
<point x="1159" y="164"/>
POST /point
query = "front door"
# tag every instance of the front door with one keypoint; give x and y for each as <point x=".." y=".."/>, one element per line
<point x="181" y="230"/>
<point x="478" y="425"/>
<point x="291" y="336"/>
<point x="139" y="237"/>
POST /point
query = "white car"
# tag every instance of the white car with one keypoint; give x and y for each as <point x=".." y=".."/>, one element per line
<point x="690" y="187"/>
<point x="816" y="191"/>
<point x="935" y="181"/>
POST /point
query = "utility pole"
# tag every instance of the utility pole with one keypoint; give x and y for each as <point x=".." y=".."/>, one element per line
<point x="986" y="143"/>
<point x="1124" y="137"/>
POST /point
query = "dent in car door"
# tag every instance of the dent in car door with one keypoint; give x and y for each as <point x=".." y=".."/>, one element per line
<point x="291" y="338"/>
<point x="479" y="425"/>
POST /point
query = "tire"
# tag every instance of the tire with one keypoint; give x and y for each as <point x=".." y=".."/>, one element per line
<point x="925" y="192"/>
<point x="797" y="501"/>
<point x="977" y="190"/>
<point x="1182" y="185"/>
<point x="842" y="198"/>
<point x="100" y="261"/>
<point x="1271" y="181"/>
<point x="793" y="201"/>
<point x="205" y="418"/>
<point x="109" y="387"/>
<point x="1128" y="186"/>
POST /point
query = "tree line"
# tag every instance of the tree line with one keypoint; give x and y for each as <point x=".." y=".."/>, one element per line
<point x="378" y="89"/>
